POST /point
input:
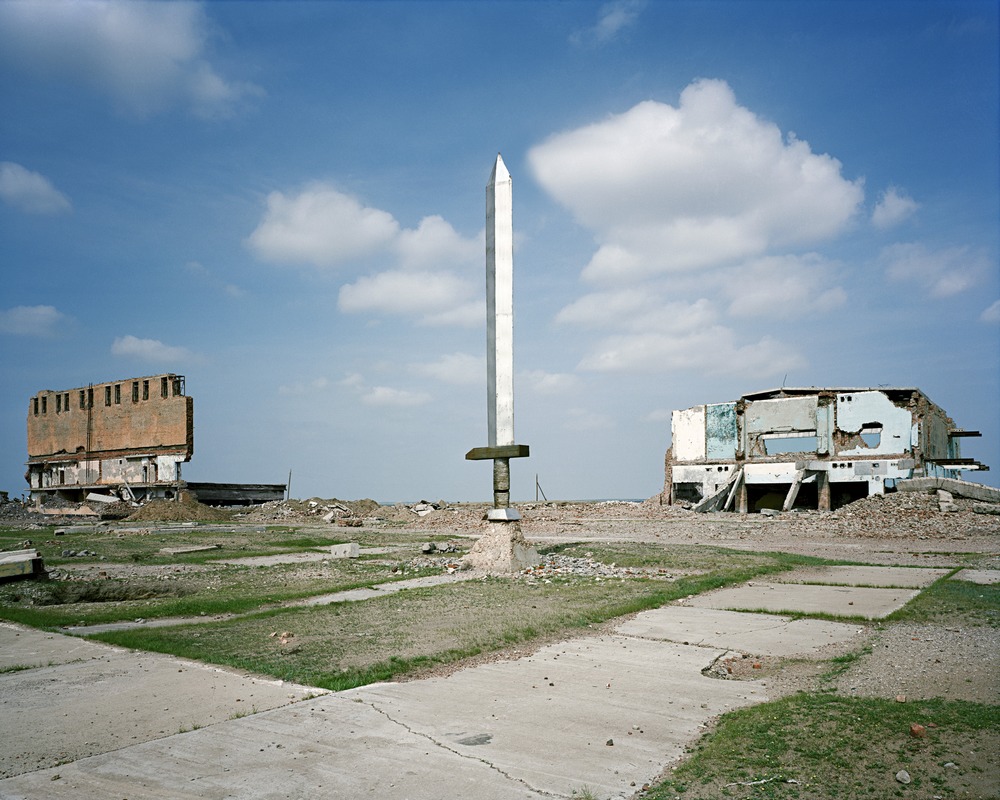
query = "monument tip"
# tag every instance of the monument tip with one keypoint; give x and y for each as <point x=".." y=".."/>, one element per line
<point x="500" y="172"/>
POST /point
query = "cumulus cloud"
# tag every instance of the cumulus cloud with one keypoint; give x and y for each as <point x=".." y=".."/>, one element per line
<point x="613" y="18"/>
<point x="37" y="321"/>
<point x="991" y="315"/>
<point x="388" y="396"/>
<point x="321" y="226"/>
<point x="667" y="188"/>
<point x="147" y="56"/>
<point x="639" y="311"/>
<point x="782" y="287"/>
<point x="29" y="191"/>
<point x="434" y="243"/>
<point x="149" y="350"/>
<point x="459" y="369"/>
<point x="713" y="350"/>
<point x="549" y="383"/>
<point x="941" y="273"/>
<point x="892" y="207"/>
<point x="399" y="292"/>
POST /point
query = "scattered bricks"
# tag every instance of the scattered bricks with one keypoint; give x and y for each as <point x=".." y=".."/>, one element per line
<point x="918" y="731"/>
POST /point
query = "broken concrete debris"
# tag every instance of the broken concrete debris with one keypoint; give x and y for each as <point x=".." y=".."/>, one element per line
<point x="15" y="564"/>
<point x="809" y="448"/>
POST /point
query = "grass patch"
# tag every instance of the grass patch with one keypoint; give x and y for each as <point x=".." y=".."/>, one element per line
<point x="214" y="590"/>
<point x="14" y="668"/>
<point x="946" y="601"/>
<point x="825" y="746"/>
<point x="351" y="644"/>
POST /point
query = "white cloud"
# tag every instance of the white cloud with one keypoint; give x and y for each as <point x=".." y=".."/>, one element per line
<point x="147" y="56"/>
<point x="941" y="273"/>
<point x="303" y="388"/>
<point x="892" y="208"/>
<point x="782" y="287"/>
<point x="322" y="227"/>
<point x="408" y="293"/>
<point x="434" y="243"/>
<point x="29" y="191"/>
<point x="388" y="396"/>
<point x="38" y="321"/>
<point x="551" y="383"/>
<point x="713" y="350"/>
<point x="466" y="315"/>
<point x="659" y="415"/>
<point x="991" y="315"/>
<point x="459" y="369"/>
<point x="613" y="18"/>
<point x="150" y="350"/>
<point x="666" y="189"/>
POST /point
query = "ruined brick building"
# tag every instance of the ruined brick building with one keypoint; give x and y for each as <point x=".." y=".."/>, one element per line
<point x="123" y="439"/>
<point x="134" y="433"/>
<point x="808" y="448"/>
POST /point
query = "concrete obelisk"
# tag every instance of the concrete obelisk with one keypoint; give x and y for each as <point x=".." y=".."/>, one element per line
<point x="508" y="551"/>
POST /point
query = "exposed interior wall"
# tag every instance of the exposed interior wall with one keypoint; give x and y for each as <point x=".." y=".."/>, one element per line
<point x="815" y="448"/>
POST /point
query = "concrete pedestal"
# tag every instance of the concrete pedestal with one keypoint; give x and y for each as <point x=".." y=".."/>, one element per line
<point x="502" y="550"/>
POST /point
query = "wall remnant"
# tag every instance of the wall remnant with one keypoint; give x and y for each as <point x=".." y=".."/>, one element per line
<point x="128" y="436"/>
<point x="808" y="448"/>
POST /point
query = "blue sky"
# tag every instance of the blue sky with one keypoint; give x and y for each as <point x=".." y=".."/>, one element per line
<point x="285" y="203"/>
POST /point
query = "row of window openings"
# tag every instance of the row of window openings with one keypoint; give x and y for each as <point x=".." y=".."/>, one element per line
<point x="87" y="397"/>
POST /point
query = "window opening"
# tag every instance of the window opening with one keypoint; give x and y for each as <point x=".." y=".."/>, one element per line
<point x="90" y="397"/>
<point x="107" y="395"/>
<point x="135" y="391"/>
<point x="36" y="406"/>
<point x="45" y="404"/>
<point x="796" y="442"/>
<point x="83" y="399"/>
<point x="163" y="387"/>
<point x="871" y="434"/>
<point x="118" y="394"/>
<point x="58" y="403"/>
<point x="145" y="390"/>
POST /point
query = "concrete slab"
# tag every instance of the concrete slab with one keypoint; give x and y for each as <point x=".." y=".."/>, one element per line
<point x="27" y="647"/>
<point x="332" y="747"/>
<point x="547" y="720"/>
<point x="896" y="577"/>
<point x="737" y="630"/>
<point x="842" y="601"/>
<point x="108" y="698"/>
<point x="983" y="576"/>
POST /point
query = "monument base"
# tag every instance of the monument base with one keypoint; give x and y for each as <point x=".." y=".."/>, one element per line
<point x="502" y="550"/>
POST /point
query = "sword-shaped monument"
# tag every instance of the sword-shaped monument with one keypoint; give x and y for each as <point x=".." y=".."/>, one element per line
<point x="500" y="371"/>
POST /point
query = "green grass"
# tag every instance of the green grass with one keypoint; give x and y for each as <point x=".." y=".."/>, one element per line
<point x="219" y="590"/>
<point x="948" y="600"/>
<point x="835" y="747"/>
<point x="352" y="644"/>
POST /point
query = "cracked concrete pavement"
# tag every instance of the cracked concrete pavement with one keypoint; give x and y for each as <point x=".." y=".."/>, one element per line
<point x="607" y="713"/>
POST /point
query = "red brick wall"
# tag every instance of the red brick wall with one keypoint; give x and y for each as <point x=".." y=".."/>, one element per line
<point x="155" y="423"/>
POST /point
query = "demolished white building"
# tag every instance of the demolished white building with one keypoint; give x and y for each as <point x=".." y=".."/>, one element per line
<point x="808" y="448"/>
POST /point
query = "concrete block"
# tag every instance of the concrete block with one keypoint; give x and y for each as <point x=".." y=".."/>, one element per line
<point x="350" y="550"/>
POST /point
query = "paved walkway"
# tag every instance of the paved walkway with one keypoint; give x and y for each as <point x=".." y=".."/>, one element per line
<point x="605" y="713"/>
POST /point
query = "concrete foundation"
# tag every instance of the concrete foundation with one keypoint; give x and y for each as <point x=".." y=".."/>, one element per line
<point x="502" y="550"/>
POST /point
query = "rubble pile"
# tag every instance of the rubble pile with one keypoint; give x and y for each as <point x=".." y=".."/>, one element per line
<point x="184" y="510"/>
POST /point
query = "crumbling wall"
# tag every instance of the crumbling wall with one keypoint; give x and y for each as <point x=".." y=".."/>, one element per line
<point x="137" y="430"/>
